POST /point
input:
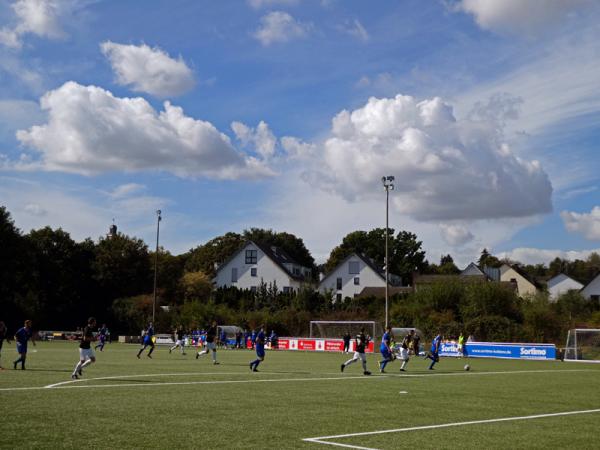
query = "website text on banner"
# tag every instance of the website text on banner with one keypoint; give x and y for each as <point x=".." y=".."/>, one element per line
<point x="500" y="350"/>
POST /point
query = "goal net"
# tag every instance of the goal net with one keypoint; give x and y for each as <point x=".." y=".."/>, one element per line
<point x="337" y="329"/>
<point x="583" y="344"/>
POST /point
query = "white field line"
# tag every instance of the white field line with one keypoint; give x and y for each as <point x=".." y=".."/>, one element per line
<point x="65" y="384"/>
<point x="324" y="439"/>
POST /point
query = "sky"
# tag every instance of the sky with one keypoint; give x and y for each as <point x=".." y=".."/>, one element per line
<point x="286" y="114"/>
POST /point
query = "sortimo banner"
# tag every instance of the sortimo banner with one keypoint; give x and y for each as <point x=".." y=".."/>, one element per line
<point x="501" y="350"/>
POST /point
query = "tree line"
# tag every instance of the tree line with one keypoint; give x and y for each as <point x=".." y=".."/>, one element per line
<point x="48" y="277"/>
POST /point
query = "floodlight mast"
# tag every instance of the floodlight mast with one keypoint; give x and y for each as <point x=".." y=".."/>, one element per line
<point x="388" y="185"/>
<point x="158" y="219"/>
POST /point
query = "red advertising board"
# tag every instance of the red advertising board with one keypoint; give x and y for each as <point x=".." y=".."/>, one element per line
<point x="334" y="345"/>
<point x="306" y="344"/>
<point x="284" y="344"/>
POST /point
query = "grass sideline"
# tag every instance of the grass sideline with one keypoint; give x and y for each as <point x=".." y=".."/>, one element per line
<point x="177" y="401"/>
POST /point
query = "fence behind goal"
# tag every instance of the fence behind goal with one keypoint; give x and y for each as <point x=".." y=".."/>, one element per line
<point x="337" y="329"/>
<point x="583" y="344"/>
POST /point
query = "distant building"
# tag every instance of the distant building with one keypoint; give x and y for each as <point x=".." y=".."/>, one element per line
<point x="254" y="264"/>
<point x="355" y="273"/>
<point x="561" y="284"/>
<point x="591" y="291"/>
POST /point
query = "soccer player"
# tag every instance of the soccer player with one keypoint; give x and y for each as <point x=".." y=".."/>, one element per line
<point x="259" y="345"/>
<point x="3" y="335"/>
<point x="148" y="342"/>
<point x="416" y="344"/>
<point x="86" y="354"/>
<point x="435" y="349"/>
<point x="347" y="338"/>
<point x="385" y="349"/>
<point x="101" y="337"/>
<point x="23" y="335"/>
<point x="179" y="334"/>
<point x="404" y="353"/>
<point x="210" y="344"/>
<point x="361" y="343"/>
<point x="461" y="345"/>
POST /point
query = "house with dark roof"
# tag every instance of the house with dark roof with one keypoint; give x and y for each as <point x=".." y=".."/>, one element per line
<point x="591" y="291"/>
<point x="352" y="275"/>
<point x="254" y="264"/>
<point x="561" y="284"/>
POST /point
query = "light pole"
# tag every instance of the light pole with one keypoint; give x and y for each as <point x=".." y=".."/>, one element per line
<point x="388" y="185"/>
<point x="158" y="219"/>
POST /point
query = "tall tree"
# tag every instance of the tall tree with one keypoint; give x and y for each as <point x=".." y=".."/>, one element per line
<point x="13" y="267"/>
<point x="215" y="252"/>
<point x="487" y="259"/>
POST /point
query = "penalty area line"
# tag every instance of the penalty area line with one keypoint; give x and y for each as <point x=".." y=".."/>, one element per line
<point x="326" y="440"/>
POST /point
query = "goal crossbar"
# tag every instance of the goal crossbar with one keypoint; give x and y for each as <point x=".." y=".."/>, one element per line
<point x="337" y="328"/>
<point x="583" y="344"/>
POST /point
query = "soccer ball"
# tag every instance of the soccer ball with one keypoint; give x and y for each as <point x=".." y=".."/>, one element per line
<point x="467" y="367"/>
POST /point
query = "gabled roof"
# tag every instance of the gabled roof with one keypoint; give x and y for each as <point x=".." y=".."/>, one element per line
<point x="363" y="258"/>
<point x="278" y="256"/>
<point x="591" y="281"/>
<point x="525" y="275"/>
<point x="379" y="292"/>
<point x="472" y="267"/>
<point x="565" y="277"/>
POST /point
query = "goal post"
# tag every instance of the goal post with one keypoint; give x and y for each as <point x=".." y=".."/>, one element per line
<point x="583" y="344"/>
<point x="338" y="328"/>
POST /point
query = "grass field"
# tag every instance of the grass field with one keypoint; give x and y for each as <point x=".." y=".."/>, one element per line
<point x="174" y="401"/>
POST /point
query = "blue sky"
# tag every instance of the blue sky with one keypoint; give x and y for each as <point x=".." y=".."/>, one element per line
<point x="285" y="114"/>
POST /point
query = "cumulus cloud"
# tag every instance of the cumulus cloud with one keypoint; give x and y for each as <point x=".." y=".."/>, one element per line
<point x="261" y="137"/>
<point x="147" y="69"/>
<point x="258" y="4"/>
<point x="445" y="169"/>
<point x="587" y="224"/>
<point x="280" y="27"/>
<point x="39" y="17"/>
<point x="544" y="256"/>
<point x="455" y="235"/>
<point x="90" y="131"/>
<point x="298" y="149"/>
<point x="519" y="15"/>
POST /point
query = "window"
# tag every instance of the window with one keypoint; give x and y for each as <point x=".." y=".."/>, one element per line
<point x="287" y="289"/>
<point x="253" y="272"/>
<point x="594" y="298"/>
<point x="353" y="267"/>
<point x="296" y="271"/>
<point x="356" y="281"/>
<point x="251" y="256"/>
<point x="338" y="284"/>
<point x="338" y="297"/>
<point x="234" y="274"/>
<point x="253" y="289"/>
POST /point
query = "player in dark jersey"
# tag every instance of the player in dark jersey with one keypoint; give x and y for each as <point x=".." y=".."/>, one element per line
<point x="3" y="335"/>
<point x="210" y="345"/>
<point x="179" y="340"/>
<point x="361" y="342"/>
<point x="385" y="349"/>
<point x="416" y="344"/>
<point x="86" y="353"/>
<point x="23" y="335"/>
<point x="259" y="345"/>
<point x="435" y="348"/>
<point x="102" y="332"/>
<point x="404" y="353"/>
<point x="148" y="341"/>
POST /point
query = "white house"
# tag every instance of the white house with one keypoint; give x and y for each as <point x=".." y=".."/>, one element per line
<point x="254" y="264"/>
<point x="561" y="284"/>
<point x="351" y="276"/>
<point x="592" y="290"/>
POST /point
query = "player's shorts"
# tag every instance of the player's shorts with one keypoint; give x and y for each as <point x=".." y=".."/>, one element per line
<point x="148" y="341"/>
<point x="260" y="351"/>
<point x="21" y="347"/>
<point x="404" y="354"/>
<point x="385" y="352"/>
<point x="86" y="353"/>
<point x="179" y="342"/>
<point x="211" y="346"/>
<point x="361" y="356"/>
<point x="435" y="357"/>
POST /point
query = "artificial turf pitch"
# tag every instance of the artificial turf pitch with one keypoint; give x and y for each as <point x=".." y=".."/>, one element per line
<point x="174" y="401"/>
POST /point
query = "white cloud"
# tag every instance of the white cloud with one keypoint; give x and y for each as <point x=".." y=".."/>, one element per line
<point x="298" y="149"/>
<point x="355" y="29"/>
<point x="520" y="16"/>
<point x="16" y="114"/>
<point x="280" y="27"/>
<point x="126" y="190"/>
<point x="261" y="137"/>
<point x="455" y="235"/>
<point x="38" y="17"/>
<point x="445" y="169"/>
<point x="148" y="69"/>
<point x="258" y="4"/>
<point x="587" y="224"/>
<point x="35" y="209"/>
<point x="91" y="131"/>
<point x="544" y="256"/>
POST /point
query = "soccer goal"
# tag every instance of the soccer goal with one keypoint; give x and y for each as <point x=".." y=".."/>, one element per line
<point x="337" y="329"/>
<point x="583" y="344"/>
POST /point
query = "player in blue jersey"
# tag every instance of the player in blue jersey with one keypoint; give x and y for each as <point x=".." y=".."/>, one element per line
<point x="385" y="349"/>
<point x="259" y="345"/>
<point x="435" y="349"/>
<point x="23" y="335"/>
<point x="102" y="332"/>
<point x="148" y="341"/>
